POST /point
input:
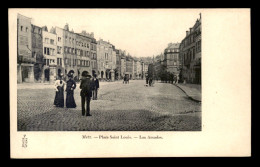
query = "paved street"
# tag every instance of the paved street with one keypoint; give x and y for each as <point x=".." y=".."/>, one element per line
<point x="120" y="107"/>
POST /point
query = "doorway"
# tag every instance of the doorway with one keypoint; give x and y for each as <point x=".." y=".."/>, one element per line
<point x="47" y="74"/>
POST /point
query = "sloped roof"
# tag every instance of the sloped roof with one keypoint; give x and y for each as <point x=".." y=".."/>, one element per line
<point x="174" y="45"/>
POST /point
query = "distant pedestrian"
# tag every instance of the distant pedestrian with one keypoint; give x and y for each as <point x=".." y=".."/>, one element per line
<point x="71" y="85"/>
<point x="59" y="96"/>
<point x="124" y="82"/>
<point x="95" y="83"/>
<point x="147" y="80"/>
<point x="127" y="79"/>
<point x="86" y="92"/>
<point x="150" y="81"/>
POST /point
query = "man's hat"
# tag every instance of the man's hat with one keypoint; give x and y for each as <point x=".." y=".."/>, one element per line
<point x="70" y="75"/>
<point x="85" y="74"/>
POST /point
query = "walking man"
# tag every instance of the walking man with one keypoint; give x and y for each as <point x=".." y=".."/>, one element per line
<point x="86" y="92"/>
<point x="95" y="83"/>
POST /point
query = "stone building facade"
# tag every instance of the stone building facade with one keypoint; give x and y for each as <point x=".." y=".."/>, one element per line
<point x="123" y="65"/>
<point x="93" y="55"/>
<point x="105" y="56"/>
<point x="129" y="67"/>
<point x="83" y="53"/>
<point x="25" y="59"/>
<point x="49" y="55"/>
<point x="70" y="55"/>
<point x="60" y="68"/>
<point x="171" y="58"/>
<point x="190" y="50"/>
<point x="37" y="52"/>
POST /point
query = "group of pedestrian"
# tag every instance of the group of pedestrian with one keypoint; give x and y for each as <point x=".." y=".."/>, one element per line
<point x="89" y="88"/>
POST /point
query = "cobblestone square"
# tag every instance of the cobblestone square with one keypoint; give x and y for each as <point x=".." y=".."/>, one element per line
<point x="120" y="107"/>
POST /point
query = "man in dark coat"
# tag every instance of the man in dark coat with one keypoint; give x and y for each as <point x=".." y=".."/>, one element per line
<point x="86" y="87"/>
<point x="95" y="83"/>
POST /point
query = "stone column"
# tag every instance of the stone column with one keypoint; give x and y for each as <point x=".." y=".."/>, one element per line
<point x="31" y="73"/>
<point x="19" y="73"/>
<point x="52" y="74"/>
<point x="112" y="75"/>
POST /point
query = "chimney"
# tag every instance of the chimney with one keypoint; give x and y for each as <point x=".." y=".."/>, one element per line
<point x="92" y="34"/>
<point x="44" y="28"/>
<point x="190" y="29"/>
<point x="187" y="33"/>
<point x="66" y="27"/>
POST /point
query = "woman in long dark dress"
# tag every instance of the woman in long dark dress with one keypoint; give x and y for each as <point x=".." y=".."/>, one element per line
<point x="59" y="97"/>
<point x="71" y="85"/>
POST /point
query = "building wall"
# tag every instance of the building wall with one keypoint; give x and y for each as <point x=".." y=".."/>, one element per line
<point x="129" y="67"/>
<point x="83" y="54"/>
<point x="60" y="51"/>
<point x="69" y="50"/>
<point x="25" y="60"/>
<point x="171" y="60"/>
<point x="139" y="70"/>
<point x="191" y="52"/>
<point x="123" y="66"/>
<point x="37" y="52"/>
<point x="50" y="56"/>
<point x="106" y="58"/>
<point x="93" y="56"/>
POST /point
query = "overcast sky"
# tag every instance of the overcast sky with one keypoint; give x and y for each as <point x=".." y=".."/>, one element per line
<point x="141" y="32"/>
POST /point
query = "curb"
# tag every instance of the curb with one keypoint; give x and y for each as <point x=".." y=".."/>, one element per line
<point x="198" y="101"/>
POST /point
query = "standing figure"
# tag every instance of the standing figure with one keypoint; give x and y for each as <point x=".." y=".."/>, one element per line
<point x="147" y="79"/>
<point x="71" y="85"/>
<point x="86" y="92"/>
<point x="59" y="97"/>
<point x="127" y="79"/>
<point x="95" y="83"/>
<point x="124" y="82"/>
<point x="150" y="81"/>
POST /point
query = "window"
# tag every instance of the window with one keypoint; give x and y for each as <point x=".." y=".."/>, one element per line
<point x="81" y="52"/>
<point x="26" y="29"/>
<point x="66" y="38"/>
<point x="87" y="45"/>
<point x="21" y="28"/>
<point x="59" y="49"/>
<point x="59" y="39"/>
<point x="39" y="31"/>
<point x="52" y="41"/>
<point x="46" y="40"/>
<point x="70" y="39"/>
<point x="48" y="62"/>
<point x="46" y="51"/>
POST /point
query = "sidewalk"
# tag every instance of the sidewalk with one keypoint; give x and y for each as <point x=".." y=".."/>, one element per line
<point x="193" y="91"/>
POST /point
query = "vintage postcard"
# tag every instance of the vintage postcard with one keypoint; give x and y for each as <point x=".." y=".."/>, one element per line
<point x="129" y="83"/>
